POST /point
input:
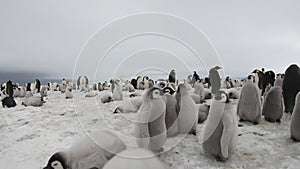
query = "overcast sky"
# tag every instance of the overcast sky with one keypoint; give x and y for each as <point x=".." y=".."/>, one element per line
<point x="49" y="37"/>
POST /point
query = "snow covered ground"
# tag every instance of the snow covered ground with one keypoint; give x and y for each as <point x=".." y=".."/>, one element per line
<point x="30" y="135"/>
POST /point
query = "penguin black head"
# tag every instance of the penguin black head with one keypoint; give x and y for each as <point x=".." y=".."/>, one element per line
<point x="169" y="90"/>
<point x="56" y="161"/>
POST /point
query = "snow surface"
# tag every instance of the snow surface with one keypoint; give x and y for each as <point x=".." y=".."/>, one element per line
<point x="30" y="135"/>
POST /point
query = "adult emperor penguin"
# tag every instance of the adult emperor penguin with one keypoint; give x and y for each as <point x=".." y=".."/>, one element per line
<point x="146" y="82"/>
<point x="172" y="76"/>
<point x="91" y="152"/>
<point x="117" y="91"/>
<point x="220" y="130"/>
<point x="295" y="123"/>
<point x="249" y="105"/>
<point x="273" y="106"/>
<point x="291" y="86"/>
<point x="135" y="159"/>
<point x="214" y="78"/>
<point x="150" y="128"/>
<point x="186" y="110"/>
<point x="171" y="115"/>
<point x="139" y="81"/>
<point x="38" y="85"/>
<point x="9" y="89"/>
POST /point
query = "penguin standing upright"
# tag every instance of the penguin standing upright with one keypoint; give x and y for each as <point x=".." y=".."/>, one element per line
<point x="295" y="122"/>
<point x="249" y="105"/>
<point x="273" y="106"/>
<point x="172" y="76"/>
<point x="9" y="100"/>
<point x="186" y="111"/>
<point x="9" y="88"/>
<point x="38" y="85"/>
<point x="150" y="128"/>
<point x="220" y="130"/>
<point x="117" y="90"/>
<point x="291" y="86"/>
<point x="171" y="115"/>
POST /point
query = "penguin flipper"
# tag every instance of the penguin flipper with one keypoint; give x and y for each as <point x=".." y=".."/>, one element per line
<point x="227" y="134"/>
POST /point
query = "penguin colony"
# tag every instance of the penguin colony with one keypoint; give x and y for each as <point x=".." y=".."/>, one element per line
<point x="170" y="108"/>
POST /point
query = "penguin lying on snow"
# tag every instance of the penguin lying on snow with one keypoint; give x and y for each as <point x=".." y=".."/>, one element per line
<point x="135" y="159"/>
<point x="106" y="98"/>
<point x="91" y="93"/>
<point x="8" y="102"/>
<point x="33" y="101"/>
<point x="233" y="93"/>
<point x="89" y="153"/>
<point x="131" y="105"/>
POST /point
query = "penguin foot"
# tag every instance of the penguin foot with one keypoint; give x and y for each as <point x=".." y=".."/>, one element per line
<point x="294" y="139"/>
<point x="115" y="111"/>
<point x="255" y="123"/>
<point x="242" y="120"/>
<point x="278" y="121"/>
<point x="220" y="159"/>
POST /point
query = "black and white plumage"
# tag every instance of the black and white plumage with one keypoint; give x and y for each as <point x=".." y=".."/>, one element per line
<point x="171" y="114"/>
<point x="214" y="78"/>
<point x="172" y="76"/>
<point x="91" y="152"/>
<point x="150" y="128"/>
<point x="233" y="93"/>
